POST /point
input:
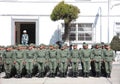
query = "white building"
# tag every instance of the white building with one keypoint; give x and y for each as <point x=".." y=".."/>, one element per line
<point x="99" y="21"/>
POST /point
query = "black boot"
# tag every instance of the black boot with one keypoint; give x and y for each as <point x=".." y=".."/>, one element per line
<point x="87" y="74"/>
<point x="96" y="75"/>
<point x="28" y="75"/>
<point x="84" y="75"/>
<point x="42" y="74"/>
<point x="7" y="75"/>
<point x="75" y="74"/>
<point x="38" y="75"/>
<point x="18" y="76"/>
<point x="99" y="74"/>
<point x="109" y="75"/>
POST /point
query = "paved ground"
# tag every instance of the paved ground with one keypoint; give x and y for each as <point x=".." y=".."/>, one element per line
<point x="115" y="79"/>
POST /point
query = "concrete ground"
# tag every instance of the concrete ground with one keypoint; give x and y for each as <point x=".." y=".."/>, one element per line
<point x="115" y="79"/>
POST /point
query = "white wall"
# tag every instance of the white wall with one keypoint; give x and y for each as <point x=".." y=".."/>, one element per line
<point x="5" y="30"/>
<point x="47" y="28"/>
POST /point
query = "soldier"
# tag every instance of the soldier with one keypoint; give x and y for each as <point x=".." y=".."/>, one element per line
<point x="25" y="38"/>
<point x="19" y="61"/>
<point x="97" y="58"/>
<point x="74" y="60"/>
<point x="30" y="60"/>
<point x="8" y="61"/>
<point x="63" y="60"/>
<point x="2" y="50"/>
<point x="85" y="55"/>
<point x="41" y="60"/>
<point x="108" y="59"/>
<point x="52" y="56"/>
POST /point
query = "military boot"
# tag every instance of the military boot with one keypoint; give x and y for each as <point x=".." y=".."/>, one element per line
<point x="84" y="75"/>
<point x="87" y="74"/>
<point x="7" y="75"/>
<point x="18" y="76"/>
<point x="28" y="75"/>
<point x="109" y="75"/>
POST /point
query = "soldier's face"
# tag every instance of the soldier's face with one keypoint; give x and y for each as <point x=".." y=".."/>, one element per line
<point x="51" y="47"/>
<point x="85" y="47"/>
<point x="108" y="47"/>
<point x="75" y="47"/>
<point x="96" y="46"/>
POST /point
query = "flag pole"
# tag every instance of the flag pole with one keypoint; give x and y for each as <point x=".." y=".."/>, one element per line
<point x="108" y="18"/>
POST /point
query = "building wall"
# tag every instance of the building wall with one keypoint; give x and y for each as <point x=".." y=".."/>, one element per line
<point x="48" y="33"/>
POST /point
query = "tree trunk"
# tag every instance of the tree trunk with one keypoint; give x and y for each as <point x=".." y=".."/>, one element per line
<point x="66" y="32"/>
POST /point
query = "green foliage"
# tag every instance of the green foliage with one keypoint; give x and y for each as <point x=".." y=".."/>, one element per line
<point x="64" y="12"/>
<point x="115" y="43"/>
<point x="67" y="13"/>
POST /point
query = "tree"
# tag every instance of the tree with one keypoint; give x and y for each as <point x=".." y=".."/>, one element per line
<point x="67" y="13"/>
<point x="115" y="43"/>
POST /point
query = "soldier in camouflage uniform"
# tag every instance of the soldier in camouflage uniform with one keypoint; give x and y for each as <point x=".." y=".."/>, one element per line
<point x="19" y="61"/>
<point x="2" y="50"/>
<point x="8" y="61"/>
<point x="74" y="60"/>
<point x="30" y="60"/>
<point x="63" y="60"/>
<point x="85" y="55"/>
<point x="52" y="57"/>
<point x="97" y="56"/>
<point x="108" y="59"/>
<point x="41" y="58"/>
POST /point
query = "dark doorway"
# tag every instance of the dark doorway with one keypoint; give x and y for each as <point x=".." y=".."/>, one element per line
<point x="30" y="27"/>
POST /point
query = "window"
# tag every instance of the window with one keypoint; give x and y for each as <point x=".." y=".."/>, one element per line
<point x="117" y="30"/>
<point x="80" y="32"/>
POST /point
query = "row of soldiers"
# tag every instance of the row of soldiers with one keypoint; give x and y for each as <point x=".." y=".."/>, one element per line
<point x="56" y="59"/>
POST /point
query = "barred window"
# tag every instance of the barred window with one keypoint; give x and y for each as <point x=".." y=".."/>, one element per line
<point x="81" y="32"/>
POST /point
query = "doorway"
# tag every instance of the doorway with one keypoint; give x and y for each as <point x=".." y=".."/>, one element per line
<point x="30" y="27"/>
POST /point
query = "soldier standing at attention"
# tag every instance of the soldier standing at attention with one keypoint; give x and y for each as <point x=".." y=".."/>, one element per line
<point x="25" y="38"/>
<point x="41" y="60"/>
<point x="8" y="61"/>
<point x="19" y="61"/>
<point x="2" y="50"/>
<point x="63" y="59"/>
<point x="52" y="57"/>
<point x="30" y="60"/>
<point x="97" y="58"/>
<point x="108" y="59"/>
<point x="74" y="60"/>
<point x="85" y="55"/>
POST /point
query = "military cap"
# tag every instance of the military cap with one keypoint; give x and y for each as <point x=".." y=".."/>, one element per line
<point x="85" y="44"/>
<point x="32" y="44"/>
<point x="56" y="45"/>
<point x="74" y="44"/>
<point x="107" y="44"/>
<point x="97" y="44"/>
<point x="19" y="45"/>
<point x="2" y="46"/>
<point x="64" y="44"/>
<point x="51" y="45"/>
<point x="42" y="44"/>
<point x="9" y="46"/>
